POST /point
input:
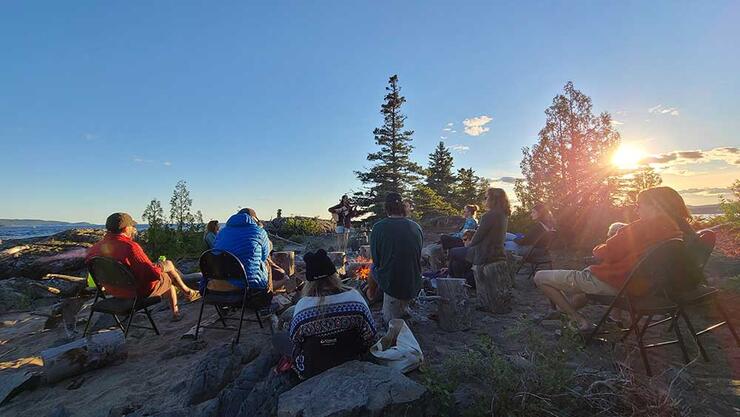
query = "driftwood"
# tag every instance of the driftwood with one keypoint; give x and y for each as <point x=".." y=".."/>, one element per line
<point x="285" y="260"/>
<point x="454" y="306"/>
<point x="493" y="284"/>
<point x="82" y="355"/>
<point x="17" y="376"/>
<point x="339" y="259"/>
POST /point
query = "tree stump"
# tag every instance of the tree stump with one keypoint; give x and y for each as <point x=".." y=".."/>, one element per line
<point x="285" y="260"/>
<point x="338" y="259"/>
<point x="365" y="252"/>
<point x="83" y="355"/>
<point x="493" y="284"/>
<point x="455" y="309"/>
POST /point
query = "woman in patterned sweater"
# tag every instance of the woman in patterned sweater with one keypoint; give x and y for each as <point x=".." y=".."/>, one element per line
<point x="332" y="323"/>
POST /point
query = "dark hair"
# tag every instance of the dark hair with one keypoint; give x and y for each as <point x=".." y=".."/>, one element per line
<point x="212" y="226"/>
<point x="498" y="200"/>
<point x="544" y="214"/>
<point x="472" y="208"/>
<point x="670" y="203"/>
<point x="394" y="205"/>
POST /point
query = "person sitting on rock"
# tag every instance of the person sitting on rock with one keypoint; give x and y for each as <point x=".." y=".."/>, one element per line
<point x="537" y="235"/>
<point x="395" y="245"/>
<point x="663" y="216"/>
<point x="331" y="323"/>
<point x="152" y="280"/>
<point x="487" y="244"/>
<point x="209" y="237"/>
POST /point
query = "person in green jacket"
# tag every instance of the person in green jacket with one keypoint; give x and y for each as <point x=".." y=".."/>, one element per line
<point x="395" y="245"/>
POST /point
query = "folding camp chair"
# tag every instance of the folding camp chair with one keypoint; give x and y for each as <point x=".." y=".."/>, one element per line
<point x="109" y="273"/>
<point x="652" y="274"/>
<point x="537" y="257"/>
<point x="703" y="295"/>
<point x="222" y="265"/>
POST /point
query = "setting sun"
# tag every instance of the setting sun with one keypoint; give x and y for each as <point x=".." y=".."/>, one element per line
<point x="627" y="156"/>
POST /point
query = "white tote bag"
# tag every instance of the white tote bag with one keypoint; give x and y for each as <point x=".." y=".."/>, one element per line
<point x="398" y="349"/>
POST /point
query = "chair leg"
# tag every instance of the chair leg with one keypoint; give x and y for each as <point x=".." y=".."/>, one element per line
<point x="695" y="336"/>
<point x="643" y="354"/>
<point x="118" y="322"/>
<point x="679" y="338"/>
<point x="149" y="316"/>
<point x="259" y="318"/>
<point x="89" y="320"/>
<point x="593" y="334"/>
<point x="200" y="316"/>
<point x="221" y="316"/>
<point x="131" y="315"/>
<point x="726" y="318"/>
<point x="241" y="321"/>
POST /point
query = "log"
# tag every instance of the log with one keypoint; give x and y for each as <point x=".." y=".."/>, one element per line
<point x="493" y="284"/>
<point x="365" y="252"/>
<point x="455" y="309"/>
<point x="82" y="355"/>
<point x="285" y="260"/>
<point x="338" y="259"/>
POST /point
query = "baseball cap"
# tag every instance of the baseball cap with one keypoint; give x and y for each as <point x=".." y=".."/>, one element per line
<point x="116" y="222"/>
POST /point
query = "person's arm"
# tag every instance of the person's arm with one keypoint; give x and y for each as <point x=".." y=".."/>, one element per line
<point x="141" y="266"/>
<point x="617" y="246"/>
<point x="486" y="223"/>
<point x="265" y="243"/>
<point x="532" y="236"/>
<point x="210" y="240"/>
<point x="334" y="208"/>
<point x="375" y="245"/>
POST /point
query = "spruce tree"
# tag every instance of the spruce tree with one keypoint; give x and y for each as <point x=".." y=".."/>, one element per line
<point x="180" y="205"/>
<point x="469" y="189"/>
<point x="393" y="170"/>
<point x="439" y="172"/>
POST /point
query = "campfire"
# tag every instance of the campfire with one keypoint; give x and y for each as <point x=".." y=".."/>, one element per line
<point x="359" y="268"/>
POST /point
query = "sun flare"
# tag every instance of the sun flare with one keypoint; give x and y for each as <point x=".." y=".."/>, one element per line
<point x="627" y="156"/>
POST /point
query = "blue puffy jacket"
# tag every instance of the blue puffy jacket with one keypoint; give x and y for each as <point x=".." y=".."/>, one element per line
<point x="244" y="238"/>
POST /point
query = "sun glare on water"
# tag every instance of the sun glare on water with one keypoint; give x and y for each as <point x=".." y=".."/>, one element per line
<point x="627" y="156"/>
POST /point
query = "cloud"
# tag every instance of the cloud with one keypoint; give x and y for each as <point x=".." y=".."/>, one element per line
<point x="506" y="180"/>
<point x="476" y="126"/>
<point x="661" y="109"/>
<point x="89" y="136"/>
<point x="616" y="122"/>
<point x="443" y="137"/>
<point x="459" y="148"/>
<point x="447" y="129"/>
<point x="167" y="163"/>
<point x="144" y="161"/>
<point x="450" y="124"/>
<point x="730" y="155"/>
<point x="711" y="191"/>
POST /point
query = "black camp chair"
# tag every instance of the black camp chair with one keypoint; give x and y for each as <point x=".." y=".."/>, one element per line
<point x="537" y="257"/>
<point x="222" y="265"/>
<point x="664" y="263"/>
<point x="109" y="273"/>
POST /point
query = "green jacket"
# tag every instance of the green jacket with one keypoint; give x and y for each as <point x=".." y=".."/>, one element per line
<point x="395" y="244"/>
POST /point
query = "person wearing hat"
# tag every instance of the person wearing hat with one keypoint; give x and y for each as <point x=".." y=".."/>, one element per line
<point x="152" y="280"/>
<point x="331" y="324"/>
<point x="395" y="245"/>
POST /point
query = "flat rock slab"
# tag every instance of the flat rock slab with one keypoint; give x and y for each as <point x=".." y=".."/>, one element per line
<point x="355" y="389"/>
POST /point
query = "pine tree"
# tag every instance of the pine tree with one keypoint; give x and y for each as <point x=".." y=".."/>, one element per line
<point x="640" y="180"/>
<point x="393" y="170"/>
<point x="154" y="214"/>
<point x="428" y="203"/>
<point x="180" y="205"/>
<point x="157" y="233"/>
<point x="569" y="167"/>
<point x="439" y="172"/>
<point x="469" y="189"/>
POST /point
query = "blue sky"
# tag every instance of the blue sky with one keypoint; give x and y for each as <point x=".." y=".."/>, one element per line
<point x="106" y="105"/>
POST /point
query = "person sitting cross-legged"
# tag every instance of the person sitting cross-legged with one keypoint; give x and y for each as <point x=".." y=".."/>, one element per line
<point x="663" y="216"/>
<point x="331" y="323"/>
<point x="152" y="280"/>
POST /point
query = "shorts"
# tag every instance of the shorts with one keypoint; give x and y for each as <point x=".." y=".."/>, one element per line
<point x="574" y="282"/>
<point x="163" y="286"/>
<point x="393" y="308"/>
<point x="342" y="230"/>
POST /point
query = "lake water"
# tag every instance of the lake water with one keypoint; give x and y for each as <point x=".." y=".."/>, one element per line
<point x="19" y="232"/>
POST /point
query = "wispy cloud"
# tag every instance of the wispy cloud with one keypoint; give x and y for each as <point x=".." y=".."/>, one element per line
<point x="709" y="192"/>
<point x="505" y="180"/>
<point x="616" y="122"/>
<point x="144" y="161"/>
<point x="661" y="109"/>
<point x="443" y="137"/>
<point x="460" y="148"/>
<point x="89" y="136"/>
<point x="447" y="129"/>
<point x="475" y="126"/>
<point x="730" y="155"/>
<point x="450" y="124"/>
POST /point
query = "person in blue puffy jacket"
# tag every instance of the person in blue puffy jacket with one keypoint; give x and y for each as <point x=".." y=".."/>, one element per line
<point x="244" y="237"/>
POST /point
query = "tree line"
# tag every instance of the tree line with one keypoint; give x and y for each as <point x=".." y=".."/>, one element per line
<point x="569" y="169"/>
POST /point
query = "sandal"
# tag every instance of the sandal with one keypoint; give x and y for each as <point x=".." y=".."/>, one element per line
<point x="192" y="296"/>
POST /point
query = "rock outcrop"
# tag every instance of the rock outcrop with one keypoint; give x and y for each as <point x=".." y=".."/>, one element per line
<point x="355" y="389"/>
<point x="217" y="370"/>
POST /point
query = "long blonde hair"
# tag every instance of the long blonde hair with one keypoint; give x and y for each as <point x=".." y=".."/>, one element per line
<point x="325" y="286"/>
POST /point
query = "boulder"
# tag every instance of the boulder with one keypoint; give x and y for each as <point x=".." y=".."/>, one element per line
<point x="355" y="389"/>
<point x="232" y="397"/>
<point x="217" y="370"/>
<point x="21" y="294"/>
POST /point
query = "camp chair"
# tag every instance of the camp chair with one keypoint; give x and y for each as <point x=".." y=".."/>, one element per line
<point x="537" y="257"/>
<point x="328" y="351"/>
<point x="703" y="295"/>
<point x="652" y="274"/>
<point x="109" y="273"/>
<point x="222" y="265"/>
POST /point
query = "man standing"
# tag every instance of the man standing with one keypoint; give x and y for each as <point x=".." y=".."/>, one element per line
<point x="151" y="279"/>
<point x="395" y="244"/>
<point x="342" y="214"/>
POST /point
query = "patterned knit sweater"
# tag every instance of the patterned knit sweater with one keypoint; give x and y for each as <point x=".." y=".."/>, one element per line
<point x="327" y="331"/>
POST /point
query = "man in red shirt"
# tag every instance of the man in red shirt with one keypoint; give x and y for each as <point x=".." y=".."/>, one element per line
<point x="151" y="280"/>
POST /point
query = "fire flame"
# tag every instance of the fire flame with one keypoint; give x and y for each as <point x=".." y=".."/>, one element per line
<point x="363" y="272"/>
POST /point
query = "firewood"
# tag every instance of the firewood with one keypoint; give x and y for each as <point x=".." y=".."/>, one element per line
<point x="493" y="284"/>
<point x="82" y="355"/>
<point x="455" y="309"/>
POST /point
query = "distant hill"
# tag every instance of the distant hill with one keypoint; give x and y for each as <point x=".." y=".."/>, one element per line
<point x="706" y="209"/>
<point x="35" y="222"/>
